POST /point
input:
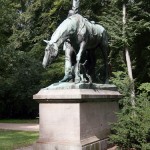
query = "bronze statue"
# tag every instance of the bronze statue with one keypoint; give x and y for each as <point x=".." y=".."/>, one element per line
<point x="83" y="38"/>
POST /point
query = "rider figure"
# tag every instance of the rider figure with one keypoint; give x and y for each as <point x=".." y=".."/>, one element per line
<point x="69" y="50"/>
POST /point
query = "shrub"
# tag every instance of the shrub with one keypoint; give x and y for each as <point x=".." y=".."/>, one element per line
<point x="132" y="129"/>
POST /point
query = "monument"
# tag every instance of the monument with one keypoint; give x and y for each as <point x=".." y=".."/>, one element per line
<point x="76" y="113"/>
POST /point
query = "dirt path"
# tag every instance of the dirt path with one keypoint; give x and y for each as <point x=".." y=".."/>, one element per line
<point x="21" y="126"/>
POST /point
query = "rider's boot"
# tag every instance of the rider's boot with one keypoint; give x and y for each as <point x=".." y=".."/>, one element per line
<point x="77" y="80"/>
<point x="67" y="78"/>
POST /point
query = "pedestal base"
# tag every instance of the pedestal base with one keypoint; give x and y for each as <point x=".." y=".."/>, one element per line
<point x="75" y="119"/>
<point x="97" y="145"/>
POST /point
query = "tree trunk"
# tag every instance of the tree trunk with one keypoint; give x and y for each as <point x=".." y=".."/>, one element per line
<point x="130" y="76"/>
<point x="128" y="60"/>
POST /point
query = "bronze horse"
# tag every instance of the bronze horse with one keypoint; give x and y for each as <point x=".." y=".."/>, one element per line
<point x="84" y="37"/>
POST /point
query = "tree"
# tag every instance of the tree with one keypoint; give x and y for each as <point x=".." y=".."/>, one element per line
<point x="19" y="72"/>
<point x="132" y="131"/>
<point x="7" y="17"/>
<point x="127" y="56"/>
<point x="19" y="80"/>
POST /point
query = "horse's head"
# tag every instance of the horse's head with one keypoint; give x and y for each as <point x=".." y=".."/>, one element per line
<point x="51" y="52"/>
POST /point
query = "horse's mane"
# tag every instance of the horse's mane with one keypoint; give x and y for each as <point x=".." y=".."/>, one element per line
<point x="74" y="24"/>
<point x="67" y="27"/>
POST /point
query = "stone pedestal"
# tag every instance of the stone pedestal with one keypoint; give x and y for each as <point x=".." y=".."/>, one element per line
<point x="75" y="118"/>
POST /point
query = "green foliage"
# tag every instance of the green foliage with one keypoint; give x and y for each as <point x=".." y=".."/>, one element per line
<point x="21" y="73"/>
<point x="136" y="35"/>
<point x="38" y="22"/>
<point x="19" y="80"/>
<point x="144" y="87"/>
<point x="122" y="81"/>
<point x="132" y="129"/>
<point x="7" y="16"/>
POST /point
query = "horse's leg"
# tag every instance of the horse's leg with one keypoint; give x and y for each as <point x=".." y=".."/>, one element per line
<point x="85" y="73"/>
<point x="104" y="46"/>
<point x="78" y="58"/>
<point x="91" y="63"/>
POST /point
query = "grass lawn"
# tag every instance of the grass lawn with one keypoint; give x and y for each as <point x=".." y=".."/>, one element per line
<point x="18" y="120"/>
<point x="10" y="140"/>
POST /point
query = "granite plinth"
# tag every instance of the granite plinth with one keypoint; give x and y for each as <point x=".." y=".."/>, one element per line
<point x="76" y="118"/>
<point x="72" y="85"/>
<point x="77" y="93"/>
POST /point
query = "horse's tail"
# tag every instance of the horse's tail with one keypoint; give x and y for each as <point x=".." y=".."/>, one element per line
<point x="105" y="51"/>
<point x="104" y="42"/>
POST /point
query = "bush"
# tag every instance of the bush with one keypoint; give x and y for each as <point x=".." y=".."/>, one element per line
<point x="132" y="129"/>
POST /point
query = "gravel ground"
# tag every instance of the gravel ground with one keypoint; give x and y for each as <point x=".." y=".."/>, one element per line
<point x="21" y="127"/>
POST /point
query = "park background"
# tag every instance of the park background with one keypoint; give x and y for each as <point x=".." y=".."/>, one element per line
<point x="25" y="23"/>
